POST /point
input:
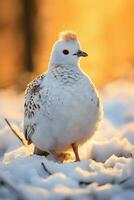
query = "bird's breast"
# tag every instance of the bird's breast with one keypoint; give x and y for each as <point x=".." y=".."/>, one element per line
<point x="69" y="115"/>
<point x="70" y="100"/>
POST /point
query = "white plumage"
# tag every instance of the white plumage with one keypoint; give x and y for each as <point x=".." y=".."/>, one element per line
<point x="62" y="107"/>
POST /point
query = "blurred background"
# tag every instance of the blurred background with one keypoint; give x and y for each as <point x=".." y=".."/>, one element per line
<point x="28" y="29"/>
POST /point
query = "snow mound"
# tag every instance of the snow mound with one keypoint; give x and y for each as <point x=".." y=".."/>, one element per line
<point x="80" y="180"/>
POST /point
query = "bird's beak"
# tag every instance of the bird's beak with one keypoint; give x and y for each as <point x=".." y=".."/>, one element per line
<point x="81" y="54"/>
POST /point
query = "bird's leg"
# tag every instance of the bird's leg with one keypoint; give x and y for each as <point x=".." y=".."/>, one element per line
<point x="75" y="150"/>
<point x="40" y="152"/>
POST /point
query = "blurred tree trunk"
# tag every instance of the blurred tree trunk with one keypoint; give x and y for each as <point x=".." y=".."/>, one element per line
<point x="9" y="42"/>
<point x="29" y="10"/>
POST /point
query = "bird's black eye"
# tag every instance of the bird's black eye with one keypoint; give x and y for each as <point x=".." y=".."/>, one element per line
<point x="65" y="51"/>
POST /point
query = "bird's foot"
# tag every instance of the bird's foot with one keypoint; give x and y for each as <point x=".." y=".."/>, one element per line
<point x="39" y="152"/>
<point x="76" y="153"/>
<point x="63" y="157"/>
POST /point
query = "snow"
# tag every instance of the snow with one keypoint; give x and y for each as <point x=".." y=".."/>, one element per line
<point x="107" y="167"/>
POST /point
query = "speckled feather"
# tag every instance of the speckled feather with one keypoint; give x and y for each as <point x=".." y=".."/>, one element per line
<point x="32" y="106"/>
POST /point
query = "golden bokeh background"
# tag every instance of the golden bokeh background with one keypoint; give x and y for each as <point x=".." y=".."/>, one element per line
<point x="104" y="28"/>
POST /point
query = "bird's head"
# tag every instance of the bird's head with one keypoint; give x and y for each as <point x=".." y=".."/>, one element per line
<point x="66" y="50"/>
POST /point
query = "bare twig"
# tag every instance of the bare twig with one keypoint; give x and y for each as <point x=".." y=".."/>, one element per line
<point x="45" y="169"/>
<point x="14" y="131"/>
<point x="125" y="180"/>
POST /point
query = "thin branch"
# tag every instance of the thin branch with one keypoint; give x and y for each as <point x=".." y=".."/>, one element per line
<point x="45" y="169"/>
<point x="125" y="180"/>
<point x="14" y="131"/>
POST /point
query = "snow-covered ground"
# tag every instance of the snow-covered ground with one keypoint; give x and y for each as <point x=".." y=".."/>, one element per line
<point x="107" y="167"/>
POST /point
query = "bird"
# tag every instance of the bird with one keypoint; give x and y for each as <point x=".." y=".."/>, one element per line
<point x="62" y="108"/>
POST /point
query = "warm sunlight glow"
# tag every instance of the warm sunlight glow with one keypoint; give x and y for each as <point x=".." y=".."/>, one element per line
<point x="105" y="30"/>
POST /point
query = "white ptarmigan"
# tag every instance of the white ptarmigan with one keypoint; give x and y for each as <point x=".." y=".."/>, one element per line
<point x="62" y="107"/>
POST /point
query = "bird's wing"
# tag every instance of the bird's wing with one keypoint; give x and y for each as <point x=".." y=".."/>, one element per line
<point x="32" y="106"/>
